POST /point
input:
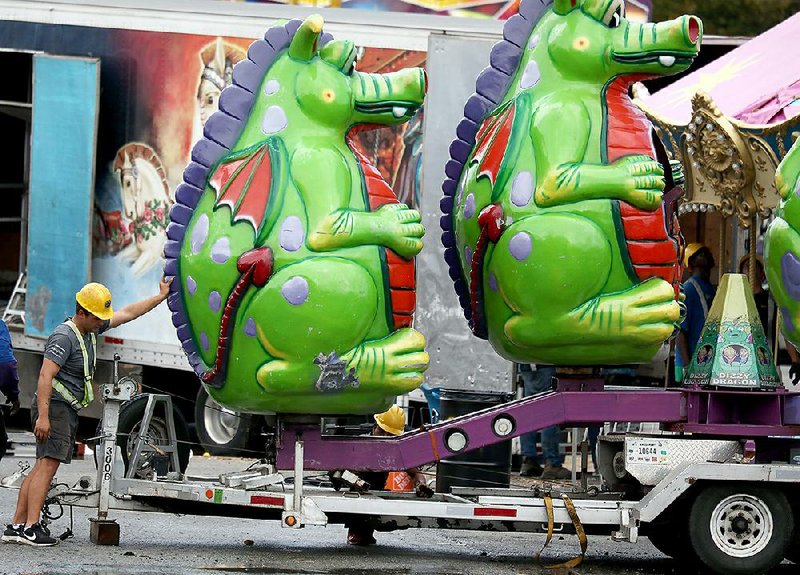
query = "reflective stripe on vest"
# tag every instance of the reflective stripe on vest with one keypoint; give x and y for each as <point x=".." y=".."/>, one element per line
<point x="88" y="392"/>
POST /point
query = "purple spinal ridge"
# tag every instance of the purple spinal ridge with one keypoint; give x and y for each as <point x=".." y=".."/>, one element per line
<point x="175" y="231"/>
<point x="466" y="130"/>
<point x="188" y="195"/>
<point x="261" y="52"/>
<point x="449" y="187"/>
<point x="790" y="275"/>
<point x="172" y="249"/>
<point x="180" y="214"/>
<point x="477" y="108"/>
<point x="490" y="87"/>
<point x="445" y="204"/>
<point x="195" y="175"/>
<point x="505" y="57"/>
<point x="220" y="134"/>
<point x="223" y="128"/>
<point x="491" y="84"/>
<point x="207" y="152"/>
<point x="236" y="101"/>
<point x="516" y="30"/>
<point x="459" y="150"/>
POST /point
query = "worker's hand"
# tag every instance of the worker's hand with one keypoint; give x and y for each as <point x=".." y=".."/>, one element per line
<point x="14" y="407"/>
<point x="163" y="286"/>
<point x="424" y="491"/>
<point x="42" y="428"/>
<point x="794" y="373"/>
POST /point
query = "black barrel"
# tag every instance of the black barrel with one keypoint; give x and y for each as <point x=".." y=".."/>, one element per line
<point x="488" y="466"/>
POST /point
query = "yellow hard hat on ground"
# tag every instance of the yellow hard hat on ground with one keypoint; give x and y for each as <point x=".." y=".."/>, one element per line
<point x="690" y="250"/>
<point x="392" y="420"/>
<point x="96" y="299"/>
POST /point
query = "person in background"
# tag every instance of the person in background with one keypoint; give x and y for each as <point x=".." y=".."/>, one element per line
<point x="389" y="423"/>
<point x="699" y="293"/>
<point x="9" y="382"/>
<point x="536" y="380"/>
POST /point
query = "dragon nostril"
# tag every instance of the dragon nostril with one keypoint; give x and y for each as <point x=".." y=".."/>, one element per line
<point x="694" y="29"/>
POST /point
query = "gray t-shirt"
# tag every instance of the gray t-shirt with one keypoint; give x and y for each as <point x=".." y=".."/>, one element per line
<point x="62" y="347"/>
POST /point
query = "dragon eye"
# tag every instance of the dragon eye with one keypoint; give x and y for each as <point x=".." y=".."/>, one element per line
<point x="616" y="18"/>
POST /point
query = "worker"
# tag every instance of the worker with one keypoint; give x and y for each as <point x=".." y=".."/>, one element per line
<point x="699" y="292"/>
<point x="536" y="380"/>
<point x="65" y="387"/>
<point x="388" y="423"/>
<point x="9" y="382"/>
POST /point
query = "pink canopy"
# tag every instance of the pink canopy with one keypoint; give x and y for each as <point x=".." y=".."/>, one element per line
<point x="757" y="83"/>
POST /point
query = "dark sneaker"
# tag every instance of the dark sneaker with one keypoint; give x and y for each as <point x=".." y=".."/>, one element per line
<point x="556" y="472"/>
<point x="13" y="534"/>
<point x="37" y="536"/>
<point x="360" y="537"/>
<point x="530" y="468"/>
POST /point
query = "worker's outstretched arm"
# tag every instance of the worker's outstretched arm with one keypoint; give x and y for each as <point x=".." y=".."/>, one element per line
<point x="139" y="308"/>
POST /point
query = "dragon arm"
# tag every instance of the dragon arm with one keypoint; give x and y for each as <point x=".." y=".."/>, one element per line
<point x="333" y="225"/>
<point x="566" y="178"/>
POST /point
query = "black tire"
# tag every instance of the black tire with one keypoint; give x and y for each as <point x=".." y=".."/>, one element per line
<point x="220" y="430"/>
<point x="741" y="528"/>
<point x="673" y="541"/>
<point x="130" y="419"/>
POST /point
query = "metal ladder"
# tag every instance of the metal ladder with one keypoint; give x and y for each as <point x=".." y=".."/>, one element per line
<point x="14" y="314"/>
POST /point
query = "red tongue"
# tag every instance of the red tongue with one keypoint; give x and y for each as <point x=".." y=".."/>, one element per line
<point x="260" y="260"/>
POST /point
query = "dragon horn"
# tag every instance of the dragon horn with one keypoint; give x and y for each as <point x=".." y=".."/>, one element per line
<point x="564" y="6"/>
<point x="304" y="43"/>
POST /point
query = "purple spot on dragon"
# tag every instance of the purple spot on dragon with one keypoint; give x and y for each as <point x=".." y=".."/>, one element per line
<point x="271" y="87"/>
<point x="250" y="327"/>
<point x="295" y="291"/>
<point x="492" y="281"/>
<point x="522" y="189"/>
<point x="292" y="234"/>
<point x="199" y="234"/>
<point x="204" y="341"/>
<point x="531" y="75"/>
<point x="520" y="246"/>
<point x="787" y="320"/>
<point x="469" y="206"/>
<point x="191" y="285"/>
<point x="221" y="250"/>
<point x="214" y="301"/>
<point x="274" y="120"/>
<point x="790" y="275"/>
<point x="534" y="41"/>
<point x="468" y="255"/>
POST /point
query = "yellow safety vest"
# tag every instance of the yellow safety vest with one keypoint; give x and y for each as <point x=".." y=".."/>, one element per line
<point x="88" y="392"/>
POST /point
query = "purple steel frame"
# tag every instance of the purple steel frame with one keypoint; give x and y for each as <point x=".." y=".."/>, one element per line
<point x="577" y="402"/>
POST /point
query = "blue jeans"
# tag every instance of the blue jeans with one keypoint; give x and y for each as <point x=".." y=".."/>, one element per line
<point x="535" y="382"/>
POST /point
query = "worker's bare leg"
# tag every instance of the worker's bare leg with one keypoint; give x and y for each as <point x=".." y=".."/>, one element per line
<point x="34" y="490"/>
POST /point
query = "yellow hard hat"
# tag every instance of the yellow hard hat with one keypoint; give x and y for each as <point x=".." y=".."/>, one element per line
<point x="392" y="420"/>
<point x="96" y="299"/>
<point x="690" y="250"/>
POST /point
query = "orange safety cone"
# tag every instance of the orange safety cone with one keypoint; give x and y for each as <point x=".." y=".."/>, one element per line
<point x="399" y="481"/>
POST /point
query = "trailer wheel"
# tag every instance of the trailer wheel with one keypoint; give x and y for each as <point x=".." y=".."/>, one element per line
<point x="220" y="430"/>
<point x="130" y="423"/>
<point x="673" y="541"/>
<point x="740" y="529"/>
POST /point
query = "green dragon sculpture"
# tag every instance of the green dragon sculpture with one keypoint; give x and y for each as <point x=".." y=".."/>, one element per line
<point x="294" y="269"/>
<point x="562" y="242"/>
<point x="782" y="245"/>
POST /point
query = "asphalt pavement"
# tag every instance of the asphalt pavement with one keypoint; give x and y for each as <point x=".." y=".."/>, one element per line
<point x="158" y="543"/>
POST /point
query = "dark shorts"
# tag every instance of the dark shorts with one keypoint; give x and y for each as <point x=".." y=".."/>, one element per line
<point x="63" y="428"/>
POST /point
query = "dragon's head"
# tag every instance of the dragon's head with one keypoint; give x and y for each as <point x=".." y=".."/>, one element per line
<point x="592" y="40"/>
<point x="787" y="181"/>
<point x="333" y="93"/>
